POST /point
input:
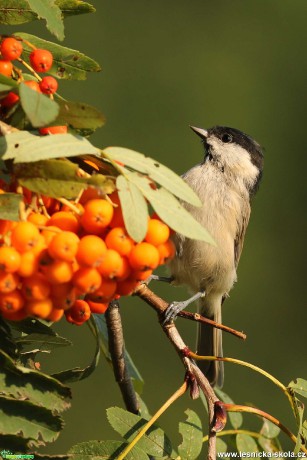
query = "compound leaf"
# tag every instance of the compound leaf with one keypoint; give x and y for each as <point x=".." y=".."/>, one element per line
<point x="50" y="11"/>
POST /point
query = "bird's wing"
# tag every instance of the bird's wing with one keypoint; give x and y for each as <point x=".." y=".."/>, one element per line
<point x="239" y="240"/>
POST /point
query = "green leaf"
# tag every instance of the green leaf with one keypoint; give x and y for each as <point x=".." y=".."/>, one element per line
<point x="269" y="444"/>
<point x="134" y="208"/>
<point x="67" y="63"/>
<point x="246" y="443"/>
<point x="40" y="109"/>
<point x="192" y="436"/>
<point x="79" y="115"/>
<point x="299" y="386"/>
<point x="25" y="147"/>
<point x="43" y="341"/>
<point x="49" y="10"/>
<point x="76" y="374"/>
<point x="104" y="450"/>
<point x="269" y="430"/>
<point x="154" y="442"/>
<point x="299" y="412"/>
<point x="221" y="445"/>
<point x="32" y="326"/>
<point x="235" y="418"/>
<point x="15" y="443"/>
<point x="15" y="12"/>
<point x="8" y="81"/>
<point x="9" y="206"/>
<point x="7" y="343"/>
<point x="99" y="328"/>
<point x="156" y="171"/>
<point x="169" y="209"/>
<point x="38" y="423"/>
<point x="4" y="88"/>
<point x="38" y="388"/>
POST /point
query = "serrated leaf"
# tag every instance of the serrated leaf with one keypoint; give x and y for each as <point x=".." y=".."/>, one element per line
<point x="9" y="206"/>
<point x="67" y="63"/>
<point x="156" y="171"/>
<point x="25" y="147"/>
<point x="154" y="442"/>
<point x="99" y="328"/>
<point x="43" y="341"/>
<point x="40" y="109"/>
<point x="33" y="421"/>
<point x="235" y="418"/>
<point x="38" y="388"/>
<point x="299" y="386"/>
<point x="192" y="436"/>
<point x="134" y="208"/>
<point x="169" y="209"/>
<point x="269" y="430"/>
<point x="221" y="446"/>
<point x="49" y="10"/>
<point x="104" y="450"/>
<point x="79" y="115"/>
<point x="246" y="443"/>
<point x="15" y="12"/>
<point x="15" y="443"/>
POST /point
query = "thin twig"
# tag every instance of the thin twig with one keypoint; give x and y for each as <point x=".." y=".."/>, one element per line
<point x="117" y="352"/>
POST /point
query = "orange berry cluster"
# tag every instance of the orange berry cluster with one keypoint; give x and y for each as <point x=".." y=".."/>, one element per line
<point x="41" y="61"/>
<point x="76" y="261"/>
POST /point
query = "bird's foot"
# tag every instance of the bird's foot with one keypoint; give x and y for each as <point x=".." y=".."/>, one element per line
<point x="174" y="308"/>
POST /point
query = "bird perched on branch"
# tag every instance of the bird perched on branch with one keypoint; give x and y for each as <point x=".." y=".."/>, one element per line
<point x="225" y="181"/>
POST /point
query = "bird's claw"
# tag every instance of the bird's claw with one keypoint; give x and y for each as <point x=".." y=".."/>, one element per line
<point x="172" y="311"/>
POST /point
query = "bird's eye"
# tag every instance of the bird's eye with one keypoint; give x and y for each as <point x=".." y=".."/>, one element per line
<point x="226" y="138"/>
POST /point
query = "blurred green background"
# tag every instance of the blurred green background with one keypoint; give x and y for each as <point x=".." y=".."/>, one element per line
<point x="168" y="64"/>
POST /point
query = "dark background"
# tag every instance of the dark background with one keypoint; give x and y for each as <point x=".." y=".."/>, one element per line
<point x="168" y="64"/>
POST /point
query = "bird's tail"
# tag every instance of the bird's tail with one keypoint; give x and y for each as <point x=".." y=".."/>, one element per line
<point x="209" y="343"/>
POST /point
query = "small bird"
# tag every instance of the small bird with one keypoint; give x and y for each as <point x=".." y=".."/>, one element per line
<point x="225" y="181"/>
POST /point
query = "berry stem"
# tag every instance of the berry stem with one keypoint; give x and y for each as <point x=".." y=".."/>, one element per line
<point x="70" y="205"/>
<point x="29" y="68"/>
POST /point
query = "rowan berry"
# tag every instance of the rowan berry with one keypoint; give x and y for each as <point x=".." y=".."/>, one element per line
<point x="55" y="315"/>
<point x="64" y="246"/>
<point x="18" y="315"/>
<point x="144" y="256"/>
<point x="65" y="221"/>
<point x="25" y="236"/>
<point x="140" y="275"/>
<point x="48" y="85"/>
<point x="40" y="308"/>
<point x="41" y="60"/>
<point x="86" y="280"/>
<point x="97" y="307"/>
<point x="157" y="232"/>
<point x="89" y="193"/>
<point x="126" y="287"/>
<point x="91" y="250"/>
<point x="111" y="265"/>
<point x="58" y="271"/>
<point x="37" y="219"/>
<point x="10" y="48"/>
<point x="97" y="215"/>
<point x="166" y="251"/>
<point x="53" y="130"/>
<point x="6" y="68"/>
<point x="33" y="85"/>
<point x="105" y="291"/>
<point x="28" y="264"/>
<point x="35" y="287"/>
<point x="49" y="233"/>
<point x="9" y="259"/>
<point x="8" y="282"/>
<point x="118" y="218"/>
<point x="11" y="302"/>
<point x="80" y="311"/>
<point x="63" y="295"/>
<point x="10" y="100"/>
<point x="119" y="240"/>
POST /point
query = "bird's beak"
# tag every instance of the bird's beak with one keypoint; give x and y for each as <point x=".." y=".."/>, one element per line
<point x="203" y="133"/>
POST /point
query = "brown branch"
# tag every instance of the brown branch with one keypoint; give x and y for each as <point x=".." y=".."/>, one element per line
<point x="117" y="352"/>
<point x="193" y="371"/>
<point x="161" y="305"/>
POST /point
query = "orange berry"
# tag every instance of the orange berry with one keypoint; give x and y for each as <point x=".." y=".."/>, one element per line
<point x="105" y="292"/>
<point x="140" y="275"/>
<point x="124" y="270"/>
<point x="53" y="130"/>
<point x="35" y="287"/>
<point x="11" y="302"/>
<point x="65" y="221"/>
<point x="41" y="60"/>
<point x="40" y="308"/>
<point x="55" y="315"/>
<point x="91" y="250"/>
<point x="37" y="219"/>
<point x="6" y="226"/>
<point x="119" y="240"/>
<point x="8" y="282"/>
<point x="6" y="67"/>
<point x="64" y="246"/>
<point x="97" y="307"/>
<point x="51" y="204"/>
<point x="49" y="233"/>
<point x="58" y="271"/>
<point x="90" y="193"/>
<point x="117" y="219"/>
<point x="157" y="232"/>
<point x="80" y="311"/>
<point x="167" y="252"/>
<point x="86" y="280"/>
<point x="111" y="265"/>
<point x="97" y="215"/>
<point x="18" y="315"/>
<point x="33" y="85"/>
<point x="79" y="206"/>
<point x="10" y="48"/>
<point x="144" y="256"/>
<point x="29" y="264"/>
<point x="9" y="259"/>
<point x="126" y="287"/>
<point x="63" y="296"/>
<point x="25" y="236"/>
